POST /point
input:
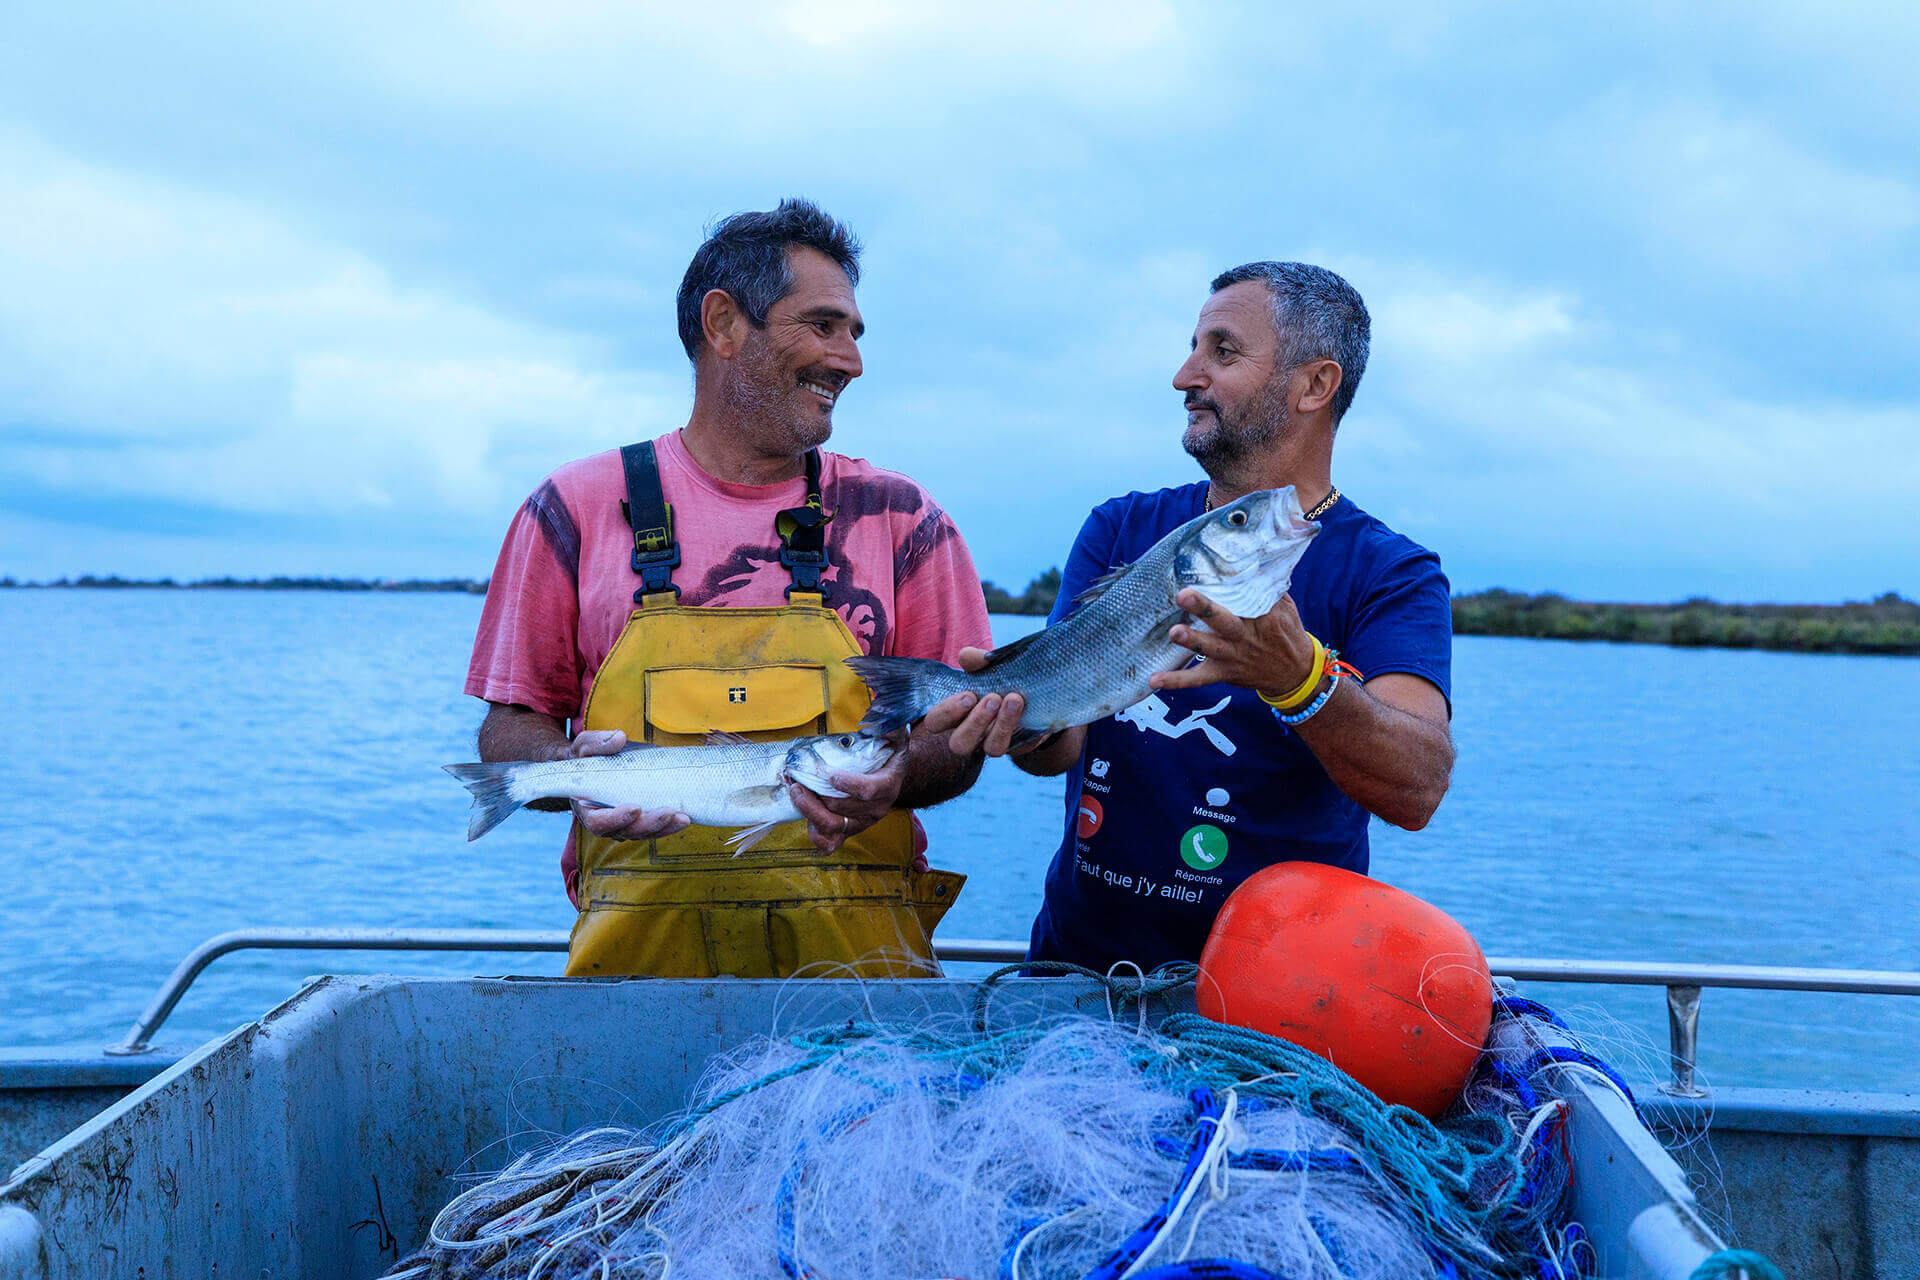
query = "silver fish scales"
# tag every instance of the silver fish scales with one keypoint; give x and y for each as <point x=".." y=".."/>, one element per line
<point x="725" y="783"/>
<point x="1098" y="660"/>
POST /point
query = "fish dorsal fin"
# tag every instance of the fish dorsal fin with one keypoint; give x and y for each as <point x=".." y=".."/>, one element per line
<point x="721" y="738"/>
<point x="1098" y="587"/>
<point x="1008" y="652"/>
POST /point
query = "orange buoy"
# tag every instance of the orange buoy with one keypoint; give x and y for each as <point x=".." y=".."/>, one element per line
<point x="1388" y="988"/>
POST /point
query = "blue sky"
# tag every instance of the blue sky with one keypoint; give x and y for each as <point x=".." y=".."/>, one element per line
<point x="328" y="290"/>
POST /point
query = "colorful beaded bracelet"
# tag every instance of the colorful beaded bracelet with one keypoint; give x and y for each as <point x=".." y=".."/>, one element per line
<point x="1301" y="717"/>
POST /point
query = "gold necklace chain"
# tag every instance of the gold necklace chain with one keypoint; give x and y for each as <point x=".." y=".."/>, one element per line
<point x="1325" y="505"/>
<point x="1320" y="508"/>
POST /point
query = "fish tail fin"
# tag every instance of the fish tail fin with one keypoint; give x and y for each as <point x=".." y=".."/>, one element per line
<point x="904" y="689"/>
<point x="492" y="788"/>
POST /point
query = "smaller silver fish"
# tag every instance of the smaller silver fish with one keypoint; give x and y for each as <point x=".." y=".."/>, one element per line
<point x="726" y="782"/>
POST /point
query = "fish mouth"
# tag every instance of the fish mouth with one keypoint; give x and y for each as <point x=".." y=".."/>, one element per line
<point x="1199" y="566"/>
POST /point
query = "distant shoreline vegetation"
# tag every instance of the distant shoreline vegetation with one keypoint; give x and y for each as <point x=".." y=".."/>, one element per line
<point x="1037" y="599"/>
<point x="1888" y="624"/>
<point x="458" y="586"/>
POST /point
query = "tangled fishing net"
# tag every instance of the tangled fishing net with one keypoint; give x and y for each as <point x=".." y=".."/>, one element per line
<point x="1071" y="1147"/>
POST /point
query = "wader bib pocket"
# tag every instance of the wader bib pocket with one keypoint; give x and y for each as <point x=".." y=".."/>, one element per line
<point x="686" y="703"/>
<point x="685" y="905"/>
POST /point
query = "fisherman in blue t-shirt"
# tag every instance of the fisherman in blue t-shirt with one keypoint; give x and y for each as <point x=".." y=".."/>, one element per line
<point x="1296" y="725"/>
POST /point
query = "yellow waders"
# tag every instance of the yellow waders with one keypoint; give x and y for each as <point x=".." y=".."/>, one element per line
<point x="684" y="905"/>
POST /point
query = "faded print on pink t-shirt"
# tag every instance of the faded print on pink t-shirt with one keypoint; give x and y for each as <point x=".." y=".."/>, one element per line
<point x="899" y="574"/>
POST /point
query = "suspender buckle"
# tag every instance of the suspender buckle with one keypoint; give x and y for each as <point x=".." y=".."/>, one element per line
<point x="805" y="567"/>
<point x="803" y="536"/>
<point x="656" y="570"/>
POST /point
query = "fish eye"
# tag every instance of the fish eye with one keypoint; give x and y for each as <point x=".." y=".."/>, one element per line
<point x="1236" y="518"/>
<point x="846" y="740"/>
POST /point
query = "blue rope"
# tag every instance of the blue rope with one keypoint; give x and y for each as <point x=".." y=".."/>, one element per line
<point x="1206" y="1269"/>
<point x="1727" y="1262"/>
<point x="1269" y="1161"/>
<point x="1522" y="1088"/>
<point x="1443" y="1264"/>
<point x="1207" y="1109"/>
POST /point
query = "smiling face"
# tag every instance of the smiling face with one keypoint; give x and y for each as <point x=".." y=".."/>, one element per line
<point x="1236" y="396"/>
<point x="782" y="385"/>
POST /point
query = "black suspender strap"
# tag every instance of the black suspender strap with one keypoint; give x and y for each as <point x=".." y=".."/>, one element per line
<point x="655" y="553"/>
<point x="803" y="535"/>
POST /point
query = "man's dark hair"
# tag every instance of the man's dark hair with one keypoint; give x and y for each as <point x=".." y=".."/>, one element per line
<point x="1318" y="315"/>
<point x="746" y="255"/>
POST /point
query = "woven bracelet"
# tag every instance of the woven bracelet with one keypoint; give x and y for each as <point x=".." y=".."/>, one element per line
<point x="1302" y="716"/>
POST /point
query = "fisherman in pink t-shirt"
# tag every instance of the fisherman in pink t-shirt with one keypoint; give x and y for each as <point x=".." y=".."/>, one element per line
<point x="714" y="578"/>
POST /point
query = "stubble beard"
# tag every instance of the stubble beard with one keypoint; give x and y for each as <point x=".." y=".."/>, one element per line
<point x="766" y="403"/>
<point x="1224" y="445"/>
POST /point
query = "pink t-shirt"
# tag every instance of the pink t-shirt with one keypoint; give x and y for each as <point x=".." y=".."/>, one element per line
<point x="898" y="573"/>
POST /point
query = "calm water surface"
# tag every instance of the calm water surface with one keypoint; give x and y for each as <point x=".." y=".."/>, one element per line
<point x="185" y="763"/>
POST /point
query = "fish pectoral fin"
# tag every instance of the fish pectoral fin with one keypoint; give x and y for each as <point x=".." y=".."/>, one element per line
<point x="721" y="738"/>
<point x="1157" y="629"/>
<point x="1099" y="586"/>
<point x="585" y="803"/>
<point x="756" y="795"/>
<point x="747" y="837"/>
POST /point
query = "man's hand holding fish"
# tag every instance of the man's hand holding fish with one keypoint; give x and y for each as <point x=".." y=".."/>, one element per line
<point x="1270" y="654"/>
<point x="866" y="798"/>
<point x="621" y="822"/>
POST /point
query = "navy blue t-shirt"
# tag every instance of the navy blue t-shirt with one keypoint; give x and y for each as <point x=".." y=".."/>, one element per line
<point x="1182" y="796"/>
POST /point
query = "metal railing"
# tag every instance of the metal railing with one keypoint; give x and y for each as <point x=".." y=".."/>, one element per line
<point x="1683" y="982"/>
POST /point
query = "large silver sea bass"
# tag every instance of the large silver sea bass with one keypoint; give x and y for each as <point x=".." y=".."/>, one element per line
<point x="1097" y="661"/>
<point x="726" y="783"/>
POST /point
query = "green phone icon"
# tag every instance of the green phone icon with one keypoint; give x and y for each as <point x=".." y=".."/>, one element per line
<point x="1204" y="847"/>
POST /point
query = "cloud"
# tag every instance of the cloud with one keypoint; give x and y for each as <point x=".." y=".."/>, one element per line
<point x="1702" y="185"/>
<point x="1641" y="280"/>
<point x="246" y="366"/>
<point x="1458" y="325"/>
<point x="1507" y="425"/>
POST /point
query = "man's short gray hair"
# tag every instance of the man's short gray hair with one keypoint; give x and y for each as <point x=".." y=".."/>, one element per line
<point x="1318" y="315"/>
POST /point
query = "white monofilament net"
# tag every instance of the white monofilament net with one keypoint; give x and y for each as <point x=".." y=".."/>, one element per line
<point x="1075" y="1149"/>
